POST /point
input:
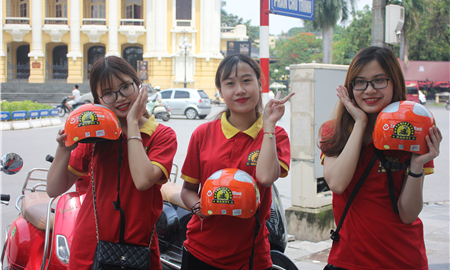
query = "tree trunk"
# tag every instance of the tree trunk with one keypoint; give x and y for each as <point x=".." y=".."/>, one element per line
<point x="378" y="17"/>
<point x="327" y="44"/>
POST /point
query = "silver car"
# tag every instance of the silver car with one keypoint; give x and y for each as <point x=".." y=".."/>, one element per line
<point x="186" y="101"/>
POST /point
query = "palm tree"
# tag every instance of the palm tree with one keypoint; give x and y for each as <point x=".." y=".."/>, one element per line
<point x="326" y="15"/>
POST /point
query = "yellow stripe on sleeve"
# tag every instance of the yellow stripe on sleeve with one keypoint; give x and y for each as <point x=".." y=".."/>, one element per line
<point x="190" y="179"/>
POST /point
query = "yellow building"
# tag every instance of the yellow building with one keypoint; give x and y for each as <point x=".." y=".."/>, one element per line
<point x="59" y="40"/>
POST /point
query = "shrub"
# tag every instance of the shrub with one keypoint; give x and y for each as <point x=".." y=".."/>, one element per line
<point x="26" y="105"/>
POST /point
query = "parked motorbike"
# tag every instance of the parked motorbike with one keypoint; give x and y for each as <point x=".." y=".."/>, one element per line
<point x="160" y="111"/>
<point x="40" y="238"/>
<point x="64" y="106"/>
<point x="172" y="226"/>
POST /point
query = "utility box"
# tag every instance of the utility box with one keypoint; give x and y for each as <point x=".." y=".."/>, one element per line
<point x="311" y="217"/>
<point x="395" y="18"/>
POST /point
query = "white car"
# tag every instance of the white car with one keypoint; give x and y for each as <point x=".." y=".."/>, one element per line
<point x="422" y="98"/>
<point x="186" y="101"/>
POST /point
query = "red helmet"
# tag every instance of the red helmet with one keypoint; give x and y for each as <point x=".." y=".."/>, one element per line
<point x="403" y="125"/>
<point x="230" y="192"/>
<point x="91" y="123"/>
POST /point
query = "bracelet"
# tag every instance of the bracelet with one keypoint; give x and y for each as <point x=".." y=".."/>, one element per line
<point x="271" y="135"/>
<point x="134" y="138"/>
<point x="416" y="175"/>
<point x="196" y="208"/>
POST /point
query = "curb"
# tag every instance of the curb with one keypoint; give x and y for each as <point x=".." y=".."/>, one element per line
<point x="32" y="123"/>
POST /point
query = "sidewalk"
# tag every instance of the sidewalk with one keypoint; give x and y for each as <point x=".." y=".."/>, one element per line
<point x="435" y="217"/>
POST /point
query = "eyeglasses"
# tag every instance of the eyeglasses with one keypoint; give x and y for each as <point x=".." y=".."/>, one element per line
<point x="125" y="91"/>
<point x="361" y="85"/>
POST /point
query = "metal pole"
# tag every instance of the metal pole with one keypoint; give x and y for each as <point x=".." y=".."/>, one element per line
<point x="185" y="64"/>
<point x="264" y="47"/>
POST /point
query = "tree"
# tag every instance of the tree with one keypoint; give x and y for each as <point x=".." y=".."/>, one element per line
<point x="326" y="15"/>
<point x="353" y="38"/>
<point x="301" y="48"/>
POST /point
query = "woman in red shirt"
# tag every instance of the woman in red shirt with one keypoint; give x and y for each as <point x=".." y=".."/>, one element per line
<point x="244" y="138"/>
<point x="372" y="235"/>
<point x="147" y="156"/>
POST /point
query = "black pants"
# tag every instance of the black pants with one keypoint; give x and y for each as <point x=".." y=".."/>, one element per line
<point x="332" y="267"/>
<point x="190" y="262"/>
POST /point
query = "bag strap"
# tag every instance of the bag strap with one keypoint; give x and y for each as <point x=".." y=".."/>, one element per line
<point x="387" y="165"/>
<point x="256" y="231"/>
<point x="335" y="234"/>
<point x="115" y="203"/>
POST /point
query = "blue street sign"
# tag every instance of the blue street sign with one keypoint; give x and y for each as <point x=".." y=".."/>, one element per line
<point x="33" y="114"/>
<point x="5" y="115"/>
<point x="43" y="113"/>
<point x="302" y="9"/>
<point x="54" y="112"/>
<point x="19" y="115"/>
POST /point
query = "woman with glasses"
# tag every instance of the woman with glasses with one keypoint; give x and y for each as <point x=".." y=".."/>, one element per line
<point x="147" y="151"/>
<point x="372" y="235"/>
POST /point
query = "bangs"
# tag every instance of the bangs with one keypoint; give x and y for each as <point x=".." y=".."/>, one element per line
<point x="229" y="67"/>
<point x="106" y="79"/>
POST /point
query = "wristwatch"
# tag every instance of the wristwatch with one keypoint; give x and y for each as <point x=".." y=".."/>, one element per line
<point x="416" y="175"/>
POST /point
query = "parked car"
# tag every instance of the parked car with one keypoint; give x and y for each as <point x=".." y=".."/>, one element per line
<point x="186" y="101"/>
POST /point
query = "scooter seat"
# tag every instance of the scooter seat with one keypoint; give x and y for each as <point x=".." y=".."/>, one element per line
<point x="171" y="193"/>
<point x="34" y="209"/>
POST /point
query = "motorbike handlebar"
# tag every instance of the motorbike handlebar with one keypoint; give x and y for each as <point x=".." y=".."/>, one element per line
<point x="5" y="197"/>
<point x="49" y="158"/>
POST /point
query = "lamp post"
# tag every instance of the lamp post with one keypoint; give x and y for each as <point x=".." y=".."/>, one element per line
<point x="288" y="70"/>
<point x="185" y="47"/>
<point x="276" y="84"/>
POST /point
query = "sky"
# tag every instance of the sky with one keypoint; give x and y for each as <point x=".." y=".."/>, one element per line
<point x="249" y="10"/>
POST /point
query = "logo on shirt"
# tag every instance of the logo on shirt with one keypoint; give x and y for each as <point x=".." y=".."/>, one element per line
<point x="223" y="195"/>
<point x="404" y="131"/>
<point x="88" y="118"/>
<point x="392" y="160"/>
<point x="252" y="158"/>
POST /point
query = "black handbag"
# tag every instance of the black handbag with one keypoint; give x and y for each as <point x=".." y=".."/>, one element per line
<point x="112" y="256"/>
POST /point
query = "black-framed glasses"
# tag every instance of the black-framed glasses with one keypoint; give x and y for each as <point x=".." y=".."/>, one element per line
<point x="380" y="83"/>
<point x="111" y="97"/>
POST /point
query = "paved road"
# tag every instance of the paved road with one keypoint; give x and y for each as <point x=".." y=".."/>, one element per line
<point x="34" y="144"/>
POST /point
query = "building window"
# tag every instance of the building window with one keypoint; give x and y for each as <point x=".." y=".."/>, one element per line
<point x="98" y="9"/>
<point x="58" y="11"/>
<point x="133" y="9"/>
<point x="23" y="10"/>
<point x="132" y="55"/>
<point x="184" y="10"/>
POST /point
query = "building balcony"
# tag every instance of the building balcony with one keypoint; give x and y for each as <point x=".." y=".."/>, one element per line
<point x="94" y="29"/>
<point x="234" y="33"/>
<point x="132" y="29"/>
<point x="17" y="27"/>
<point x="56" y="28"/>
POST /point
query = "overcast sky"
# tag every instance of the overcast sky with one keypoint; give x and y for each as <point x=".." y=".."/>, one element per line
<point x="249" y="10"/>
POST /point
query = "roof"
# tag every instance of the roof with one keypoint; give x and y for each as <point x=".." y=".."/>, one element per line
<point x="426" y="70"/>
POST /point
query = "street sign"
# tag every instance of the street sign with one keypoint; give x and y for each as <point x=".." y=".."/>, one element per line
<point x="302" y="9"/>
<point x="239" y="47"/>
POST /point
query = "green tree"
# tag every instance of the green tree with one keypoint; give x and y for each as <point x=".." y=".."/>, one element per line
<point x="353" y="38"/>
<point x="301" y="48"/>
<point x="326" y="15"/>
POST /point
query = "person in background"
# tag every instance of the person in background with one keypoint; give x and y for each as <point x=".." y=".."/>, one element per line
<point x="76" y="95"/>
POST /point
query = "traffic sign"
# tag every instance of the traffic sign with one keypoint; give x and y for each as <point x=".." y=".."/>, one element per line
<point x="302" y="9"/>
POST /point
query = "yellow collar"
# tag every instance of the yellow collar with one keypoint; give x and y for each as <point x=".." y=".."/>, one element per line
<point x="149" y="126"/>
<point x="229" y="131"/>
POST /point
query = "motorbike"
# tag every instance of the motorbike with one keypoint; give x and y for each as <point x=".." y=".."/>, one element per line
<point x="171" y="228"/>
<point x="41" y="236"/>
<point x="63" y="107"/>
<point x="159" y="110"/>
<point x="447" y="105"/>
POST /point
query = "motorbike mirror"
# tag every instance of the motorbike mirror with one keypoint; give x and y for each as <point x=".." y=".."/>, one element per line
<point x="11" y="163"/>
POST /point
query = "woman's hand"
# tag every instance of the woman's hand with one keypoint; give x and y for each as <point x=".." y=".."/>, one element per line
<point x="350" y="105"/>
<point x="433" y="141"/>
<point x="139" y="107"/>
<point x="60" y="137"/>
<point x="274" y="109"/>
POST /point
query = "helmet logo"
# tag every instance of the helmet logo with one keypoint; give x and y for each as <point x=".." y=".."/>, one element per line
<point x="223" y="195"/>
<point x="404" y="131"/>
<point x="87" y="118"/>
<point x="386" y="127"/>
<point x="252" y="158"/>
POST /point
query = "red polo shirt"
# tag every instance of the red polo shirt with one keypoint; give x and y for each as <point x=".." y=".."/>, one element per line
<point x="142" y="208"/>
<point x="372" y="235"/>
<point x="224" y="241"/>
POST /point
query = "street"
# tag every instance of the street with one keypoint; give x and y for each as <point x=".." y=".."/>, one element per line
<point x="34" y="144"/>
